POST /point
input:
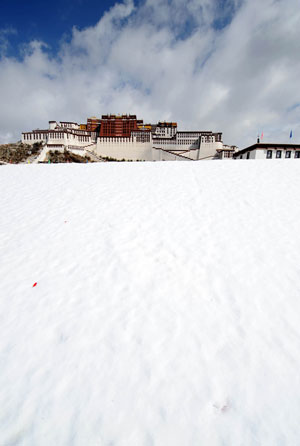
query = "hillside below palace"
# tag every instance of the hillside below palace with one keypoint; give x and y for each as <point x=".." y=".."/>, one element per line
<point x="124" y="137"/>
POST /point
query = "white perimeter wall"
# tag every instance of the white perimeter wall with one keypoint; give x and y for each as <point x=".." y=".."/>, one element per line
<point x="209" y="149"/>
<point x="146" y="152"/>
<point x="46" y="149"/>
<point x="161" y="155"/>
<point x="132" y="151"/>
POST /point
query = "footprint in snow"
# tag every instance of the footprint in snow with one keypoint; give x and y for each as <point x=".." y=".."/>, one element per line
<point x="223" y="408"/>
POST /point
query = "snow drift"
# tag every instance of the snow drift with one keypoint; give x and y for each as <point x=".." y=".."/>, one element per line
<point x="166" y="306"/>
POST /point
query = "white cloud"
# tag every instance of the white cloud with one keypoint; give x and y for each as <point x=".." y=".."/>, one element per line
<point x="167" y="60"/>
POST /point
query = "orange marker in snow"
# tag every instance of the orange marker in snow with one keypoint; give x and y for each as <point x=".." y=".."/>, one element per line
<point x="35" y="284"/>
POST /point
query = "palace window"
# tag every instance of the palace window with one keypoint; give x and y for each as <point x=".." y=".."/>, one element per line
<point x="297" y="154"/>
<point x="288" y="154"/>
<point x="278" y="153"/>
<point x="269" y="154"/>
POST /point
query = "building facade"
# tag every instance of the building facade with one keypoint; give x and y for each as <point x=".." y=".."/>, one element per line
<point x="65" y="133"/>
<point x="124" y="137"/>
<point x="92" y="125"/>
<point x="119" y="126"/>
<point x="269" y="151"/>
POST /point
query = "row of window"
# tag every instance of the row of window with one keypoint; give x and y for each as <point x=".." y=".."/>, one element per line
<point x="172" y="142"/>
<point x="68" y="125"/>
<point x="187" y="142"/>
<point x="56" y="135"/>
<point x="278" y="154"/>
<point x="143" y="138"/>
<point x="83" y="138"/>
<point x="288" y="154"/>
<point x="163" y="131"/>
<point x="203" y="139"/>
<point x="29" y="136"/>
<point x="113" y="126"/>
<point x="116" y="139"/>
<point x="191" y="135"/>
<point x="80" y="132"/>
<point x="52" y="135"/>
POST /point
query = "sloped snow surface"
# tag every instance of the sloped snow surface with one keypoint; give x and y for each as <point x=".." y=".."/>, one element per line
<point x="166" y="309"/>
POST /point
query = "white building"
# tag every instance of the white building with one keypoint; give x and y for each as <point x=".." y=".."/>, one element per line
<point x="62" y="133"/>
<point x="60" y="136"/>
<point x="159" y="142"/>
<point x="269" y="151"/>
<point x="162" y="142"/>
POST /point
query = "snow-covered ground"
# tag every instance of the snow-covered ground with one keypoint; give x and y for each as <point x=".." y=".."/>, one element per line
<point x="167" y="304"/>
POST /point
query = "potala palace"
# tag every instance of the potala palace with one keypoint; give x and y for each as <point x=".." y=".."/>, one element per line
<point x="124" y="137"/>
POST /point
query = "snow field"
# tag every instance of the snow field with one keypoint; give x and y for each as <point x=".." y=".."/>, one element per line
<point x="166" y="310"/>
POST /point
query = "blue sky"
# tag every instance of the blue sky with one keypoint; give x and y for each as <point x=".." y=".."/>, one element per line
<point x="230" y="66"/>
<point x="48" y="21"/>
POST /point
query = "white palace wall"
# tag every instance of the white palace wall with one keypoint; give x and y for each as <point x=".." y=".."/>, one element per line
<point x="208" y="150"/>
<point x="137" y="151"/>
<point x="162" y="155"/>
<point x="128" y="150"/>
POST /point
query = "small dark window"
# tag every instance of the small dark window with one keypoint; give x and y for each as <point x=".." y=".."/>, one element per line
<point x="248" y="155"/>
<point x="269" y="153"/>
<point x="241" y="157"/>
<point x="288" y="154"/>
<point x="278" y="153"/>
<point x="297" y="154"/>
